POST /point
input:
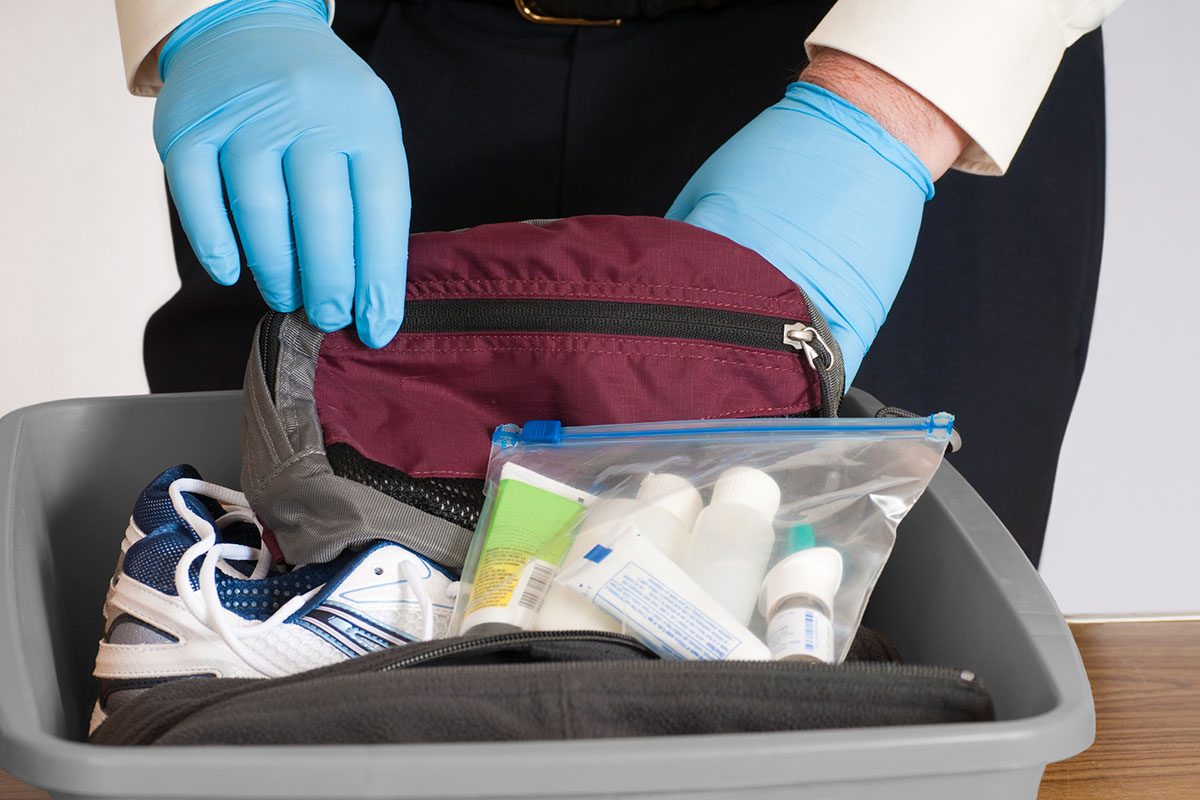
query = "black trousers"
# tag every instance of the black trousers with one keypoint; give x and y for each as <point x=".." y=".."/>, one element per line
<point x="506" y="120"/>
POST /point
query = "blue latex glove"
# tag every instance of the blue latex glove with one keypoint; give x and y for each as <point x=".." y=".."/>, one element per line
<point x="262" y="95"/>
<point x="820" y="190"/>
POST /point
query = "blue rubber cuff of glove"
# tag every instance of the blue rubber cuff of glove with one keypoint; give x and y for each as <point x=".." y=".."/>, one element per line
<point x="819" y="189"/>
<point x="854" y="327"/>
<point x="808" y="98"/>
<point x="212" y="16"/>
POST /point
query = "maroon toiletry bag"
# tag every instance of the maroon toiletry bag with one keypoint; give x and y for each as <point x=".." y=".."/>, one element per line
<point x="588" y="320"/>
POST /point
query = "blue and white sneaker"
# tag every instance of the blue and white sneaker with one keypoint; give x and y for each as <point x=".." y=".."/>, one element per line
<point x="196" y="593"/>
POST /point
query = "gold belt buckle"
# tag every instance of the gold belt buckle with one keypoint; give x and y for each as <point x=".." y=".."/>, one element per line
<point x="526" y="10"/>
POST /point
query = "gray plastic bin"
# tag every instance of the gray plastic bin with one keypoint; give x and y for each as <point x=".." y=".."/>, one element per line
<point x="957" y="591"/>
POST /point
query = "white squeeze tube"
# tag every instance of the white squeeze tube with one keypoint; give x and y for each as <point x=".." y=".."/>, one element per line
<point x="733" y="538"/>
<point x="526" y="532"/>
<point x="664" y="511"/>
<point x="565" y="610"/>
<point x="636" y="583"/>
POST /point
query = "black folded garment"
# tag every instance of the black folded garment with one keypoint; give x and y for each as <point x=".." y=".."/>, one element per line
<point x="546" y="685"/>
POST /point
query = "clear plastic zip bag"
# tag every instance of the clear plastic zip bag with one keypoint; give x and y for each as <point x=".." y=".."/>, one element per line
<point x="723" y="539"/>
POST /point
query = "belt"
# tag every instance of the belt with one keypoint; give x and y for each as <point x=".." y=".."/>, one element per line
<point x="603" y="12"/>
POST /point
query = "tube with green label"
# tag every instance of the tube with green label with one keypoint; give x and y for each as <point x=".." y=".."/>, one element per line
<point x="527" y="532"/>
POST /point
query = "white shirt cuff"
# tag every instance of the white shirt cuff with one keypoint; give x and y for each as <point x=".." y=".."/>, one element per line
<point x="985" y="63"/>
<point x="145" y="23"/>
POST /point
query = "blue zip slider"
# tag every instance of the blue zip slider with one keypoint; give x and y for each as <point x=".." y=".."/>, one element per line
<point x="542" y="431"/>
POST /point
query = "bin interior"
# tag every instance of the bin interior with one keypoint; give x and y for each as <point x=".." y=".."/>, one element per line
<point x="78" y="466"/>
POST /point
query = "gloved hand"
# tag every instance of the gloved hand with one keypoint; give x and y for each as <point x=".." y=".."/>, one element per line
<point x="263" y="95"/>
<point x="825" y="194"/>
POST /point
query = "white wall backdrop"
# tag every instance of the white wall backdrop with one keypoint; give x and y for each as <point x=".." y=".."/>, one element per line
<point x="84" y="242"/>
<point x="86" y="258"/>
<point x="1125" y="529"/>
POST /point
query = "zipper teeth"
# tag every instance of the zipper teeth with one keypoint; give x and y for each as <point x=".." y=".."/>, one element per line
<point x="268" y="348"/>
<point x="595" y="316"/>
<point x="849" y="667"/>
<point x="514" y="638"/>
<point x="833" y="386"/>
<point x="883" y="669"/>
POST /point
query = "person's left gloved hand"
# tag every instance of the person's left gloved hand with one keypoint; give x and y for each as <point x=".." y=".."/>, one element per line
<point x="816" y="187"/>
<point x="263" y="101"/>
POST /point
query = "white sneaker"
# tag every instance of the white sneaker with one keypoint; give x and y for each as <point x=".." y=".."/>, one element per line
<point x="195" y="594"/>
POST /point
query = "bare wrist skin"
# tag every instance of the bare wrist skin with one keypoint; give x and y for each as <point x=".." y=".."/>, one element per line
<point x="929" y="133"/>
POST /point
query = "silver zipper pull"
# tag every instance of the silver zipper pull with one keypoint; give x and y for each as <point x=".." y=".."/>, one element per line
<point x="801" y="337"/>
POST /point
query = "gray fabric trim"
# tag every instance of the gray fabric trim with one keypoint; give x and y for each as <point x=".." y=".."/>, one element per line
<point x="287" y="478"/>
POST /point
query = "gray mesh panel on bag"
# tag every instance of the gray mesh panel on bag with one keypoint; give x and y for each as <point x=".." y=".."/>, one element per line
<point x="286" y="474"/>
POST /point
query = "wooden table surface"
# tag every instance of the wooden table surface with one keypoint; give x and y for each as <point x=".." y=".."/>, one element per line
<point x="1146" y="683"/>
<point x="1145" y="677"/>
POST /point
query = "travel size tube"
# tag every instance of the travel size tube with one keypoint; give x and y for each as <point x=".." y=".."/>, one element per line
<point x="659" y="603"/>
<point x="528" y="533"/>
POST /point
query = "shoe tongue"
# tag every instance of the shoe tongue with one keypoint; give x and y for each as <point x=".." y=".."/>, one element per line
<point x="155" y="509"/>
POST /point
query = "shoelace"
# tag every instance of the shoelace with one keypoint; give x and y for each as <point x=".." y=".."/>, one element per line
<point x="205" y="602"/>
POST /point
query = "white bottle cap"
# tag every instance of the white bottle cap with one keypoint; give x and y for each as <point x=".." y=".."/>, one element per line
<point x="748" y="487"/>
<point x="816" y="571"/>
<point x="672" y="494"/>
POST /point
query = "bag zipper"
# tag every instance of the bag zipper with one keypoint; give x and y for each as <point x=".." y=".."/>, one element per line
<point x="866" y="668"/>
<point x="619" y="318"/>
<point x="518" y="637"/>
<point x="268" y="347"/>
<point x="552" y="433"/>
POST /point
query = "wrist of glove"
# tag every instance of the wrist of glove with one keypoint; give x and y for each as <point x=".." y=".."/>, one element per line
<point x="816" y="187"/>
<point x="264" y="105"/>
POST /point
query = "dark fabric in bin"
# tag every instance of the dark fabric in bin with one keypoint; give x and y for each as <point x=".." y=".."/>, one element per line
<point x="505" y="689"/>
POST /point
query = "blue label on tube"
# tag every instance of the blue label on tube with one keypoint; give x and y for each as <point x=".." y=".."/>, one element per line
<point x="597" y="553"/>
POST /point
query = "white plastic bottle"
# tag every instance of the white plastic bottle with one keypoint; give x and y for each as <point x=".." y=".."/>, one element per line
<point x="669" y="507"/>
<point x="733" y="538"/>
<point x="797" y="600"/>
<point x="664" y="511"/>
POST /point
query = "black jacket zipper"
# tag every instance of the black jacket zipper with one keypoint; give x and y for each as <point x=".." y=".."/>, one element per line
<point x="886" y="669"/>
<point x="619" y="318"/>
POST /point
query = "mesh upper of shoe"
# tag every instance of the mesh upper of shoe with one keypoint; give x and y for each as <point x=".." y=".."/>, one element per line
<point x="294" y="648"/>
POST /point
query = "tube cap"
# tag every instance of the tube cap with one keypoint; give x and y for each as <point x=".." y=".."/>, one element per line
<point x="673" y="494"/>
<point x="816" y="571"/>
<point x="748" y="487"/>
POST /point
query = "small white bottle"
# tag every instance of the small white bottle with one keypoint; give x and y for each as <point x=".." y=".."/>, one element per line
<point x="669" y="507"/>
<point x="797" y="600"/>
<point x="664" y="511"/>
<point x="733" y="539"/>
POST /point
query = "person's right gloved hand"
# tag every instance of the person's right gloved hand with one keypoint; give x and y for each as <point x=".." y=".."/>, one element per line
<point x="261" y="100"/>
<point x="819" y="189"/>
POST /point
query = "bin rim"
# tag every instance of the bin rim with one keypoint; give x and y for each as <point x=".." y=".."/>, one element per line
<point x="764" y="760"/>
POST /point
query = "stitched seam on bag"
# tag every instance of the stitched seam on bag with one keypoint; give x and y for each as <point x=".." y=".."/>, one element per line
<point x="472" y="288"/>
<point x="282" y="466"/>
<point x="442" y="349"/>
